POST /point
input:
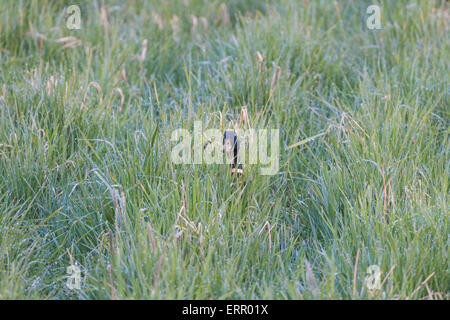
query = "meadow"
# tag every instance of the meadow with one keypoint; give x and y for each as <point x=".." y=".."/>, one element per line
<point x="86" y="177"/>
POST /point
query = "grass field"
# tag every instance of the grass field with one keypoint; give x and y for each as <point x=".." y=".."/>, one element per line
<point x="86" y="177"/>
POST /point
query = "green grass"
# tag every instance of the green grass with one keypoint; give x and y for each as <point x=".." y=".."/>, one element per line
<point x="92" y="179"/>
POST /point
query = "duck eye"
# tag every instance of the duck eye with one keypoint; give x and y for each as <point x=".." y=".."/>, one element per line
<point x="227" y="145"/>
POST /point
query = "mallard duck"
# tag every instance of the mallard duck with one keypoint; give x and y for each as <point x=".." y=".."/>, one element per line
<point x="231" y="148"/>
